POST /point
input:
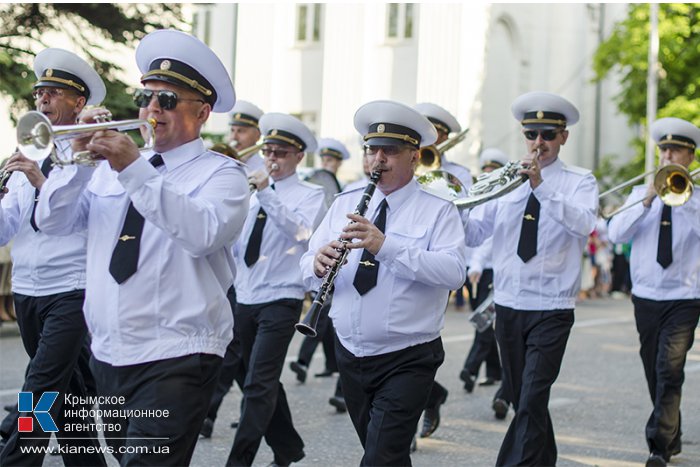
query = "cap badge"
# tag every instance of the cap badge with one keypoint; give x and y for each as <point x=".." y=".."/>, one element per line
<point x="237" y="116"/>
<point x="165" y="65"/>
<point x="273" y="133"/>
<point x="49" y="73"/>
<point x="380" y="128"/>
<point x="540" y="114"/>
<point x="669" y="137"/>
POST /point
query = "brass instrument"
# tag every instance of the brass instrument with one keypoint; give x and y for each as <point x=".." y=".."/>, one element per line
<point x="230" y="150"/>
<point x="36" y="137"/>
<point x="308" y="325"/>
<point x="673" y="184"/>
<point x="429" y="157"/>
<point x="252" y="186"/>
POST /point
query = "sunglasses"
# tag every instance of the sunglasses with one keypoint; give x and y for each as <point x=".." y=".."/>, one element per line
<point x="547" y="135"/>
<point x="392" y="150"/>
<point x="278" y="153"/>
<point x="167" y="100"/>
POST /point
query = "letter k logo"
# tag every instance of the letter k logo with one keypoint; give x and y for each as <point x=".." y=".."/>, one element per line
<point x="25" y="403"/>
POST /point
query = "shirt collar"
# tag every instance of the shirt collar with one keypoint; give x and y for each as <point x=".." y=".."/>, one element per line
<point x="286" y="182"/>
<point x="181" y="154"/>
<point x="555" y="166"/>
<point x="396" y="199"/>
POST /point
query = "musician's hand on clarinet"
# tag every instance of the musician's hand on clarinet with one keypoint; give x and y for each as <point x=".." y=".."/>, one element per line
<point x="19" y="163"/>
<point x="369" y="236"/>
<point x="326" y="257"/>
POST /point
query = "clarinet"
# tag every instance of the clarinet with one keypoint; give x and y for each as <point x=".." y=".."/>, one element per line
<point x="310" y="321"/>
<point x="4" y="174"/>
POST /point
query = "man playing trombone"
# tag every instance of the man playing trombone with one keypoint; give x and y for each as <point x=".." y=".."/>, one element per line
<point x="48" y="274"/>
<point x="665" y="267"/>
<point x="539" y="232"/>
<point x="390" y="298"/>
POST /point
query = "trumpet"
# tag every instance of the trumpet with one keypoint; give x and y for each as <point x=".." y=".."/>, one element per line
<point x="429" y="157"/>
<point x="308" y="325"/>
<point x="673" y="184"/>
<point x="36" y="137"/>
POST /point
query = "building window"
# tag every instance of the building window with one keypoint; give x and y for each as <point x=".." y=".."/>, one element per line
<point x="308" y="22"/>
<point x="400" y="20"/>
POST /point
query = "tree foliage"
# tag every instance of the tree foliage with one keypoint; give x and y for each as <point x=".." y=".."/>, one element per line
<point x="626" y="51"/>
<point x="93" y="28"/>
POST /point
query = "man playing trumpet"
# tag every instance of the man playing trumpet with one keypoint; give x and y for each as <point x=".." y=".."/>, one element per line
<point x="665" y="267"/>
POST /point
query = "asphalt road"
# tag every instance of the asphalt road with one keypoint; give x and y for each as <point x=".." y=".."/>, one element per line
<point x="599" y="404"/>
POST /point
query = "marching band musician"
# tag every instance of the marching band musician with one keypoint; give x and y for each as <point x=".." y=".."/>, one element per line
<point x="159" y="239"/>
<point x="269" y="287"/>
<point x="244" y="133"/>
<point x="48" y="274"/>
<point x="480" y="275"/>
<point x="541" y="229"/>
<point x="444" y="123"/>
<point x="390" y="298"/>
<point x="665" y="266"/>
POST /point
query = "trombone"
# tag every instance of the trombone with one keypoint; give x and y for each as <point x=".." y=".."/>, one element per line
<point x="673" y="184"/>
<point x="36" y="137"/>
<point x="429" y="157"/>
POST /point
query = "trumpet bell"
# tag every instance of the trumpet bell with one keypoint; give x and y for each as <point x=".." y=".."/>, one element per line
<point x="34" y="136"/>
<point x="673" y="184"/>
<point x="428" y="160"/>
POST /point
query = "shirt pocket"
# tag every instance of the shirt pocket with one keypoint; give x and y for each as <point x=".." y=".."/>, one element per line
<point x="413" y="234"/>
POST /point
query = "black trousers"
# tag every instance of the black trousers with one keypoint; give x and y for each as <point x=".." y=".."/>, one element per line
<point x="326" y="336"/>
<point x="54" y="334"/>
<point x="232" y="367"/>
<point x="532" y="346"/>
<point x="666" y="332"/>
<point x="265" y="331"/>
<point x="484" y="349"/>
<point x="385" y="395"/>
<point x="180" y="385"/>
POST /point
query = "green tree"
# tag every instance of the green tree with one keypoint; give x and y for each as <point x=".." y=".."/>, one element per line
<point x="626" y="52"/>
<point x="94" y="29"/>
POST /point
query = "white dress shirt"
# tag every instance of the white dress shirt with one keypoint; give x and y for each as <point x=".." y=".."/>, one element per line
<point x="551" y="280"/>
<point x="361" y="183"/>
<point x="175" y="304"/>
<point x="462" y="173"/>
<point x="640" y="226"/>
<point x="421" y="260"/>
<point x="481" y="257"/>
<point x="41" y="264"/>
<point x="294" y="208"/>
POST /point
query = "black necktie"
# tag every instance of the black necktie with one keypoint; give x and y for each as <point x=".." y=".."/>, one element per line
<point x="368" y="269"/>
<point x="125" y="257"/>
<point x="252" y="251"/>
<point x="527" y="245"/>
<point x="45" y="169"/>
<point x="664" y="255"/>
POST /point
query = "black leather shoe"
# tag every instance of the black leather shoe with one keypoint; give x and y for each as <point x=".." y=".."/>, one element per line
<point x="207" y="428"/>
<point x="656" y="460"/>
<point x="324" y="374"/>
<point x="300" y="369"/>
<point x="296" y="458"/>
<point x="339" y="403"/>
<point x="500" y="408"/>
<point x="468" y="379"/>
<point x="431" y="418"/>
<point x="234" y="424"/>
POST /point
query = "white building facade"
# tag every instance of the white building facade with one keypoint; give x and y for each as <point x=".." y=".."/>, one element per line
<point x="320" y="62"/>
